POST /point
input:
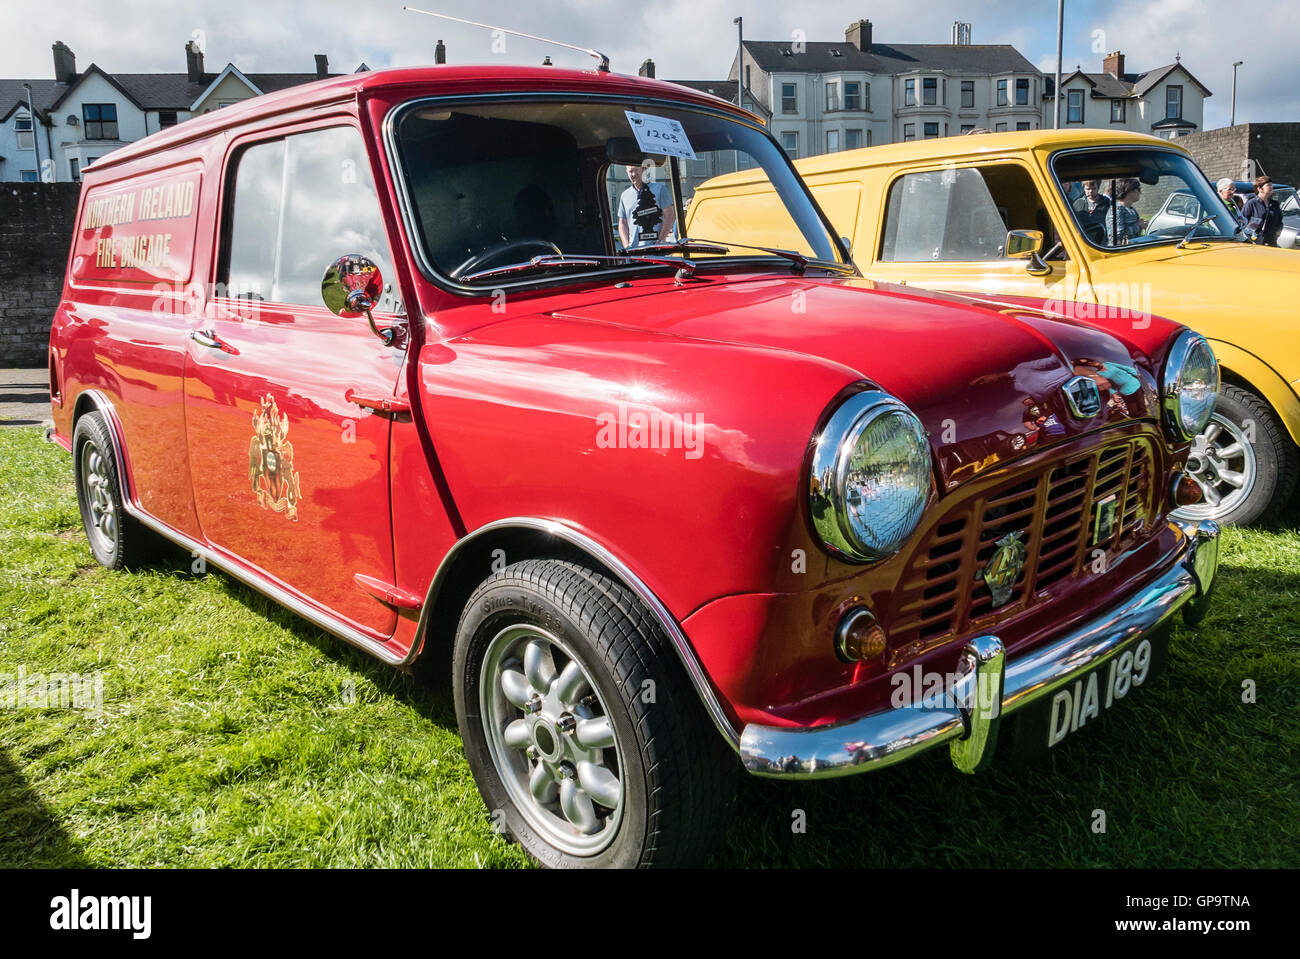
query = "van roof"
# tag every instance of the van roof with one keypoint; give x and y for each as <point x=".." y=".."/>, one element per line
<point x="975" y="144"/>
<point x="429" y="80"/>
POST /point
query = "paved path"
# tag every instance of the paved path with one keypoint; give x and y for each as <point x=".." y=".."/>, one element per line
<point x="24" y="397"/>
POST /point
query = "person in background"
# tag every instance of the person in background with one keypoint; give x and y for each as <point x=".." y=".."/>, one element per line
<point x="1126" y="225"/>
<point x="1263" y="213"/>
<point x="1090" y="210"/>
<point x="1228" y="190"/>
<point x="645" y="211"/>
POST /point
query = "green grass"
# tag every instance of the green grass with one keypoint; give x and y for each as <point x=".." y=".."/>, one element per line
<point x="229" y="737"/>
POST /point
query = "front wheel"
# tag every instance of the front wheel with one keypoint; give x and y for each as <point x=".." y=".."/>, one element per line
<point x="1244" y="462"/>
<point x="585" y="739"/>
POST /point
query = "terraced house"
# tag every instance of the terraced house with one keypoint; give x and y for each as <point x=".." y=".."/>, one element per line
<point x="839" y="95"/>
<point x="77" y="117"/>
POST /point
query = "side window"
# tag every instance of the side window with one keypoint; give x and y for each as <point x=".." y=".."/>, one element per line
<point x="960" y="215"/>
<point x="298" y="204"/>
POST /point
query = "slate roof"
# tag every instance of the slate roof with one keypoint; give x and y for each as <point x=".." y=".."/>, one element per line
<point x="1106" y="86"/>
<point x="13" y="95"/>
<point x="888" y="58"/>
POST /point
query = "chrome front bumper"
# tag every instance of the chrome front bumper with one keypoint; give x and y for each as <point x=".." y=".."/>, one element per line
<point x="988" y="686"/>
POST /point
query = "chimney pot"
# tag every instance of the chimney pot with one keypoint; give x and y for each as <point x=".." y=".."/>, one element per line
<point x="322" y="65"/>
<point x="194" y="62"/>
<point x="858" y="33"/>
<point x="440" y="53"/>
<point x="647" y="69"/>
<point x="65" y="62"/>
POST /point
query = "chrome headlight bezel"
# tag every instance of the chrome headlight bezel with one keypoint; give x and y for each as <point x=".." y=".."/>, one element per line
<point x="1172" y="384"/>
<point x="828" y="479"/>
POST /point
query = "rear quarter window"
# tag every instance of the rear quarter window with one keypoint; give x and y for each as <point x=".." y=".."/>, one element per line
<point x="139" y="229"/>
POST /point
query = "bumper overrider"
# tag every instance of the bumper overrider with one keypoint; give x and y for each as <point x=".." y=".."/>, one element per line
<point x="988" y="685"/>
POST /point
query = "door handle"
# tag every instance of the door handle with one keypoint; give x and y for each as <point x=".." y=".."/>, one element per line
<point x="380" y="404"/>
<point x="210" y="339"/>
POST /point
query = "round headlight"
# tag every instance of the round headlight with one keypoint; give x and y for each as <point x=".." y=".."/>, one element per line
<point x="1190" y="385"/>
<point x="870" y="477"/>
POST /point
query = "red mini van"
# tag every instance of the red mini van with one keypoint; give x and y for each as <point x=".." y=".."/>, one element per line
<point x="422" y="355"/>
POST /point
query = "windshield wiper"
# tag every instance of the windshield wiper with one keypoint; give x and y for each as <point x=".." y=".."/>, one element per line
<point x="685" y="268"/>
<point x="1209" y="217"/>
<point x="695" y="245"/>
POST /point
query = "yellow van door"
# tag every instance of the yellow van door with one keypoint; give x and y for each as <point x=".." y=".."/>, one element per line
<point x="946" y="229"/>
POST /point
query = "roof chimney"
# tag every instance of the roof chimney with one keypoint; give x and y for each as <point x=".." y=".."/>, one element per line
<point x="647" y="69"/>
<point x="440" y="53"/>
<point x="1113" y="64"/>
<point x="65" y="62"/>
<point x="859" y="34"/>
<point x="194" y="62"/>
<point x="322" y="65"/>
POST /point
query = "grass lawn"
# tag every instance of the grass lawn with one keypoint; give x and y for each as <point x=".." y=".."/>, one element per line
<point x="235" y="734"/>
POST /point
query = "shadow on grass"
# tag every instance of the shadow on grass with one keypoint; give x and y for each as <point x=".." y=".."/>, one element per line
<point x="30" y="835"/>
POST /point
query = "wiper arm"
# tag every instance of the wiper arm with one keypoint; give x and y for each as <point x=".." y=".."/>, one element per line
<point x="692" y="244"/>
<point x="1196" y="226"/>
<point x="685" y="268"/>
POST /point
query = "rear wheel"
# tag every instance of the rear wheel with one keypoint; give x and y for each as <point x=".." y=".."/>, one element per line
<point x="585" y="739"/>
<point x="116" y="539"/>
<point x="1244" y="462"/>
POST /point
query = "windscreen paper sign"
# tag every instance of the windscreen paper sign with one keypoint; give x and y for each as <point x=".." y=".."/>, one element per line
<point x="660" y="135"/>
<point x="139" y="231"/>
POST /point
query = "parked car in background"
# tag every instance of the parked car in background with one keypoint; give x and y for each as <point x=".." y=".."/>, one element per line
<point x="368" y="345"/>
<point x="1181" y="210"/>
<point x="988" y="215"/>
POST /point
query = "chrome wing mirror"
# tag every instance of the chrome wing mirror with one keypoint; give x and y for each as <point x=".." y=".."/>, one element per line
<point x="352" y="286"/>
<point x="1028" y="245"/>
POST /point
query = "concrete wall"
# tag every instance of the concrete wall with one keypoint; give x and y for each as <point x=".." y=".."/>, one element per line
<point x="1248" y="150"/>
<point x="36" y="222"/>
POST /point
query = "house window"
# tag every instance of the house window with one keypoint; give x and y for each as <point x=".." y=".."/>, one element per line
<point x="166" y="118"/>
<point x="968" y="94"/>
<point x="28" y="176"/>
<point x="1074" y="111"/>
<point x="75" y="169"/>
<point x="931" y="131"/>
<point x="852" y="139"/>
<point x="790" y="143"/>
<point x="1002" y="93"/>
<point x="1116" y="111"/>
<point x="1022" y="92"/>
<point x="789" y="101"/>
<point x="967" y="128"/>
<point x="1173" y="103"/>
<point x="930" y="91"/>
<point x="100" y="120"/>
<point x="909" y="131"/>
<point x="852" y="95"/>
<point x="1022" y="125"/>
<point x="23" y="131"/>
<point x="1000" y="128"/>
<point x="832" y="141"/>
<point x="909" y="93"/>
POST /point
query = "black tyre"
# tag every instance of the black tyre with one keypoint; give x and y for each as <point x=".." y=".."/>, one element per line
<point x="587" y="742"/>
<point x="1245" y="462"/>
<point x="116" y="539"/>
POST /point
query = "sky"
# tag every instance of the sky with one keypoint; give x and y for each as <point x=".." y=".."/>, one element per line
<point x="687" y="39"/>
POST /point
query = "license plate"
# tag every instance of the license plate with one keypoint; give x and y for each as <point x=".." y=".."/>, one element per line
<point x="1081" y="702"/>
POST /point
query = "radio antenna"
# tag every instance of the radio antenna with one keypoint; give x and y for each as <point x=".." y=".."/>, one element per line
<point x="603" y="65"/>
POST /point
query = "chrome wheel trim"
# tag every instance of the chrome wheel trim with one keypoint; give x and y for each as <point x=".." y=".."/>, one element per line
<point x="1222" y="462"/>
<point x="101" y="513"/>
<point x="551" y="739"/>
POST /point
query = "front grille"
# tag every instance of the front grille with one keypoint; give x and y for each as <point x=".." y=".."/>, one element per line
<point x="1052" y="507"/>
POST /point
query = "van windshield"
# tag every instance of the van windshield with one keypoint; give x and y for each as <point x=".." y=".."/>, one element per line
<point x="1138" y="197"/>
<point x="542" y="184"/>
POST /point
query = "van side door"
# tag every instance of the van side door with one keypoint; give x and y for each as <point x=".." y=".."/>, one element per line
<point x="945" y="228"/>
<point x="291" y="474"/>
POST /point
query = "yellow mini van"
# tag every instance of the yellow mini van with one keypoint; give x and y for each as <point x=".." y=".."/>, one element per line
<point x="1084" y="219"/>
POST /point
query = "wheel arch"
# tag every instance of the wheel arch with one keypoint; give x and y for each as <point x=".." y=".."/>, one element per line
<point x="93" y="401"/>
<point x="469" y="561"/>
<point x="1249" y="372"/>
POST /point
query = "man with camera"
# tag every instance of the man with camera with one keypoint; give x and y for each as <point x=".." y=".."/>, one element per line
<point x="645" y="211"/>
